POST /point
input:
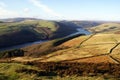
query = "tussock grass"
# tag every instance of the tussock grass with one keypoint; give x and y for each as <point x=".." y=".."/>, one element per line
<point x="8" y="71"/>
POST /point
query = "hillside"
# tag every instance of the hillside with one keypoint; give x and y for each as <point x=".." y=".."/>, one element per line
<point x="83" y="48"/>
<point x="17" y="19"/>
<point x="88" y="48"/>
<point x="97" y="48"/>
<point x="96" y="55"/>
<point x="106" y="28"/>
<point x="87" y="24"/>
<point x="15" y="33"/>
<point x="18" y="71"/>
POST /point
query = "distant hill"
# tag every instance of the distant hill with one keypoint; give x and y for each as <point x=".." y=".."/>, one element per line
<point x="106" y="28"/>
<point x="16" y="19"/>
<point x="87" y="24"/>
<point x="70" y="23"/>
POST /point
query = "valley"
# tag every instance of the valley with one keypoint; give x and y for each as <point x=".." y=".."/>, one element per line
<point x="94" y="51"/>
<point x="59" y="40"/>
<point x="78" y="31"/>
<point x="30" y="31"/>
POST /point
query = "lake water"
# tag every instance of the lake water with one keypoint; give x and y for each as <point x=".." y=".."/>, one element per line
<point x="79" y="31"/>
<point x="21" y="45"/>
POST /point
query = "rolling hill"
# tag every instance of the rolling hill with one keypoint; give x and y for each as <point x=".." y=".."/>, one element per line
<point x="94" y="55"/>
<point x="15" y="33"/>
<point x="97" y="48"/>
<point x="106" y="28"/>
<point x="87" y="48"/>
<point x="17" y="19"/>
<point x="88" y="24"/>
<point x="83" y="48"/>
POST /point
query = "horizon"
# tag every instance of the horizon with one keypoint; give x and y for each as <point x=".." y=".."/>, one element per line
<point x="59" y="20"/>
<point x="87" y="10"/>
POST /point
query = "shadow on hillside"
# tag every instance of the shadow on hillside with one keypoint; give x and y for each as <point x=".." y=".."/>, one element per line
<point x="11" y="53"/>
<point x="17" y="37"/>
<point x="64" y="30"/>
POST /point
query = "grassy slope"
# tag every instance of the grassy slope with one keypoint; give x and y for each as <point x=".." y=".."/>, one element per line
<point x="10" y="27"/>
<point x="15" y="33"/>
<point x="15" y="26"/>
<point x="8" y="72"/>
<point x="26" y="32"/>
<point x="106" y="28"/>
<point x="92" y="47"/>
<point x="37" y="29"/>
<point x="46" y="47"/>
<point x="48" y="24"/>
<point x="87" y="24"/>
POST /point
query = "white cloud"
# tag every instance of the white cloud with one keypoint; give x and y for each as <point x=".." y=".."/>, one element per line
<point x="4" y="13"/>
<point x="46" y="9"/>
<point x="2" y="4"/>
<point x="26" y="10"/>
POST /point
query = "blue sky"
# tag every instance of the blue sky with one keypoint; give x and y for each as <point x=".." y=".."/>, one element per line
<point x="62" y="9"/>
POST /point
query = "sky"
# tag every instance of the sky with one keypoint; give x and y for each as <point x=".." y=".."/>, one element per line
<point x="107" y="10"/>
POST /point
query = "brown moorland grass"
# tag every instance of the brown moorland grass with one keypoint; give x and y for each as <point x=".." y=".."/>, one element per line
<point x="83" y="51"/>
<point x="96" y="39"/>
<point x="74" y="42"/>
<point x="106" y="28"/>
<point x="102" y="39"/>
<point x="38" y="49"/>
<point x="97" y="59"/>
